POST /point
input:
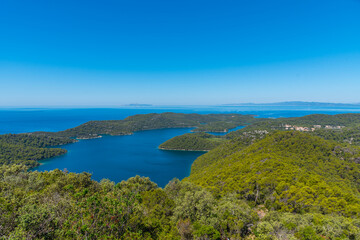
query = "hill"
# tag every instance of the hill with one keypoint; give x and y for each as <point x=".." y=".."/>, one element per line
<point x="343" y="128"/>
<point x="62" y="205"/>
<point x="27" y="149"/>
<point x="297" y="104"/>
<point x="202" y="122"/>
<point x="287" y="171"/>
<point x="193" y="142"/>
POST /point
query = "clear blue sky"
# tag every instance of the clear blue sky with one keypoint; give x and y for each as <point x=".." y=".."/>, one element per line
<point x="108" y="53"/>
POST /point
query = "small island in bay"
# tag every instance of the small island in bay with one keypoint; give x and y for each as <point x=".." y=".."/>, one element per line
<point x="193" y="142"/>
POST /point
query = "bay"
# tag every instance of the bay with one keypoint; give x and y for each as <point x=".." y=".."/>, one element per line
<point x="120" y="157"/>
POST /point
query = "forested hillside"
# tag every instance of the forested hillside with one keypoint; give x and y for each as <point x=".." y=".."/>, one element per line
<point x="193" y="142"/>
<point x="204" y="123"/>
<point x="62" y="205"/>
<point x="287" y="171"/>
<point x="343" y="128"/>
<point x="27" y="149"/>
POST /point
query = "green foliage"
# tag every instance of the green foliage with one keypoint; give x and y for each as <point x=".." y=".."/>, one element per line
<point x="34" y="140"/>
<point x="288" y="171"/>
<point x="29" y="148"/>
<point x="60" y="205"/>
<point x="227" y="123"/>
<point x="211" y="217"/>
<point x="193" y="142"/>
<point x="278" y="225"/>
<point x="340" y="120"/>
<point x="350" y="135"/>
<point x="19" y="154"/>
<point x="205" y="232"/>
<point x="208" y="122"/>
<point x="348" y="119"/>
<point x="229" y="147"/>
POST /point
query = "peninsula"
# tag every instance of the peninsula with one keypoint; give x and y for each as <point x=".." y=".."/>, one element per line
<point x="28" y="148"/>
<point x="343" y="128"/>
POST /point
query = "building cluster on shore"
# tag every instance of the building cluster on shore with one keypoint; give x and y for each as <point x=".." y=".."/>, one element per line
<point x="308" y="129"/>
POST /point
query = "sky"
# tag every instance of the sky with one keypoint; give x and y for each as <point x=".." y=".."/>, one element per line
<point x="199" y="52"/>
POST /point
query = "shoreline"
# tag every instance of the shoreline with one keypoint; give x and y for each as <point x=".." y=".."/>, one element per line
<point x="185" y="150"/>
<point x="87" y="138"/>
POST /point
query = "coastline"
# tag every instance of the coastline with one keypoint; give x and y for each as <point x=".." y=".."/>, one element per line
<point x="185" y="150"/>
<point x="87" y="138"/>
<point x="223" y="131"/>
<point x="100" y="136"/>
<point x="41" y="161"/>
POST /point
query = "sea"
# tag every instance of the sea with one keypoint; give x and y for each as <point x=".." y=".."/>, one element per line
<point x="120" y="157"/>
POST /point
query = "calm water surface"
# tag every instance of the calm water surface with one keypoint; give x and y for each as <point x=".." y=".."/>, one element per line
<point x="120" y="157"/>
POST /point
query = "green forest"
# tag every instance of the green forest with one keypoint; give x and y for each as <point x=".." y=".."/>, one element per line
<point x="193" y="142"/>
<point x="344" y="128"/>
<point x="140" y="122"/>
<point x="261" y="182"/>
<point x="27" y="149"/>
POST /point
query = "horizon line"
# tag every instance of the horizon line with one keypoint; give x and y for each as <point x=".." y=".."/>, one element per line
<point x="136" y="105"/>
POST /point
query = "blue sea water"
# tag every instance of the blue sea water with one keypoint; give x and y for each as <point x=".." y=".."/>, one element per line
<point x="229" y="130"/>
<point x="120" y="157"/>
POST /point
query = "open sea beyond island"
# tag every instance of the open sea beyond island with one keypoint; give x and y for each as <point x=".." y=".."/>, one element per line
<point x="120" y="157"/>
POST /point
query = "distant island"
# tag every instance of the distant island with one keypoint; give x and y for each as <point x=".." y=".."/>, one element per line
<point x="297" y="103"/>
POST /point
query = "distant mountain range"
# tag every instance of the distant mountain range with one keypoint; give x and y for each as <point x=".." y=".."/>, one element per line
<point x="297" y="103"/>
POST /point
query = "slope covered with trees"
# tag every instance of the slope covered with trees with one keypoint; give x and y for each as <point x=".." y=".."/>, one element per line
<point x="307" y="123"/>
<point x="287" y="171"/>
<point x="205" y="123"/>
<point x="27" y="149"/>
<point x="193" y="142"/>
<point x="62" y="205"/>
<point x="34" y="140"/>
<point x="343" y="128"/>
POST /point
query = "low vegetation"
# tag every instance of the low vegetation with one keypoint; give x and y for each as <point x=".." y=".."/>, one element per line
<point x="62" y="205"/>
